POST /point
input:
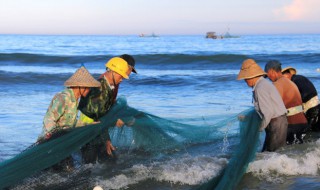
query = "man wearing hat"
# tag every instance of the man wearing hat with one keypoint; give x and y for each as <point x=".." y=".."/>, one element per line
<point x="99" y="101"/>
<point x="62" y="112"/>
<point x="309" y="95"/>
<point x="268" y="104"/>
<point x="297" y="122"/>
<point x="63" y="109"/>
<point x="131" y="63"/>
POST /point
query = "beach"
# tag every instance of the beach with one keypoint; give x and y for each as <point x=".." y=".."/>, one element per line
<point x="181" y="78"/>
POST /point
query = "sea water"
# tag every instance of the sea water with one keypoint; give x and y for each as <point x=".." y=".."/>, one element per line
<point x="187" y="79"/>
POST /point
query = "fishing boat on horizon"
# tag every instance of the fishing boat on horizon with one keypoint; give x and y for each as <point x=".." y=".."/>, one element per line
<point x="227" y="34"/>
<point x="146" y="35"/>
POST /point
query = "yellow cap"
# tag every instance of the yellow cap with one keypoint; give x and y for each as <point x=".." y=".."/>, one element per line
<point x="119" y="66"/>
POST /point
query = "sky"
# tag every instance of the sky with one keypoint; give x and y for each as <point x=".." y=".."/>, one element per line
<point x="163" y="17"/>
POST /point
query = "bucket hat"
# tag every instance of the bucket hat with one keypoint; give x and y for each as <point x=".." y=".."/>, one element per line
<point x="250" y="69"/>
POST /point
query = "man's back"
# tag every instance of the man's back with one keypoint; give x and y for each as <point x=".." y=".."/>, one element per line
<point x="291" y="97"/>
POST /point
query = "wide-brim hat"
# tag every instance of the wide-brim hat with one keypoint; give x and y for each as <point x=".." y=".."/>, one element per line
<point x="292" y="70"/>
<point x="250" y="69"/>
<point x="82" y="78"/>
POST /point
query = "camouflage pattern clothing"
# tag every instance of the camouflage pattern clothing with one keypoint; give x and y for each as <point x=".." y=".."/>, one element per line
<point x="98" y="101"/>
<point x="96" y="104"/>
<point x="62" y="112"/>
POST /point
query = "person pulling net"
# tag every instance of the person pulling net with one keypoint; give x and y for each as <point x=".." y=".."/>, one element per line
<point x="147" y="132"/>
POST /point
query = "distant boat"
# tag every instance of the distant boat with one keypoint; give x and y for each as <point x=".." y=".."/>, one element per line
<point x="228" y="35"/>
<point x="145" y="35"/>
<point x="213" y="35"/>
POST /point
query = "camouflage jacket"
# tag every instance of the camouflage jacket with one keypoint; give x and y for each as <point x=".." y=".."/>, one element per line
<point x="98" y="101"/>
<point x="62" y="112"/>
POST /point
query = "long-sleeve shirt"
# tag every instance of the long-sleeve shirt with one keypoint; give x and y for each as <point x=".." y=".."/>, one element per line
<point x="98" y="101"/>
<point x="62" y="112"/>
<point x="267" y="102"/>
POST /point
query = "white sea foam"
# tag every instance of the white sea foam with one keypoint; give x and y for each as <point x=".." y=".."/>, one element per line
<point x="131" y="176"/>
<point x="269" y="166"/>
<point x="187" y="170"/>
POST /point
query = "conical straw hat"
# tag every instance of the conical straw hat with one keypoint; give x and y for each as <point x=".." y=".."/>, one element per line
<point x="250" y="69"/>
<point x="82" y="78"/>
<point x="292" y="70"/>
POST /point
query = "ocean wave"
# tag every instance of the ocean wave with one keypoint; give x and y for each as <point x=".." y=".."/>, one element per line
<point x="23" y="58"/>
<point x="271" y="166"/>
<point x="155" y="69"/>
<point x="160" y="61"/>
<point x="56" y="76"/>
<point x="187" y="170"/>
<point x="32" y="78"/>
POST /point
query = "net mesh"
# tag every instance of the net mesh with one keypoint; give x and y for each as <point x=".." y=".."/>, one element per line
<point x="249" y="141"/>
<point x="146" y="132"/>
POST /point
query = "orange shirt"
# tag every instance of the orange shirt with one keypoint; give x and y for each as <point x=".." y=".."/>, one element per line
<point x="291" y="97"/>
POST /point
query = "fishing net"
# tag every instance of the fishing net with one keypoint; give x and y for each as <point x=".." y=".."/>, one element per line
<point x="249" y="140"/>
<point x="154" y="134"/>
<point x="43" y="155"/>
<point x="145" y="132"/>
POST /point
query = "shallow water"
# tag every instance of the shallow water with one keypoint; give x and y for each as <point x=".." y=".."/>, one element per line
<point x="187" y="79"/>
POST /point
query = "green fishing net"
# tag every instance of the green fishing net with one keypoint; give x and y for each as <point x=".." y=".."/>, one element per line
<point x="46" y="154"/>
<point x="249" y="141"/>
<point x="145" y="132"/>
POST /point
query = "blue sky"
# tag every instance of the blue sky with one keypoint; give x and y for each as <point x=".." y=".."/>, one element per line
<point x="122" y="17"/>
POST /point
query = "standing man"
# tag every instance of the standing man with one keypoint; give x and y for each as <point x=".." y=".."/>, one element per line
<point x="309" y="95"/>
<point x="268" y="104"/>
<point x="99" y="101"/>
<point x="297" y="122"/>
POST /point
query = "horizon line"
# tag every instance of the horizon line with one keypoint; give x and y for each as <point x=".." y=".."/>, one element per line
<point x="158" y="34"/>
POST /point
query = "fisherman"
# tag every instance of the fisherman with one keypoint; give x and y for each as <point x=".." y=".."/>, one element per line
<point x="268" y="104"/>
<point x="62" y="112"/>
<point x="63" y="109"/>
<point x="297" y="122"/>
<point x="131" y="62"/>
<point x="99" y="101"/>
<point x="309" y="95"/>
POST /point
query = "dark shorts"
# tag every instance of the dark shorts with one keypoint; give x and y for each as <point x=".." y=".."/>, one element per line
<point x="276" y="133"/>
<point x="295" y="132"/>
<point x="92" y="153"/>
<point x="313" y="116"/>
